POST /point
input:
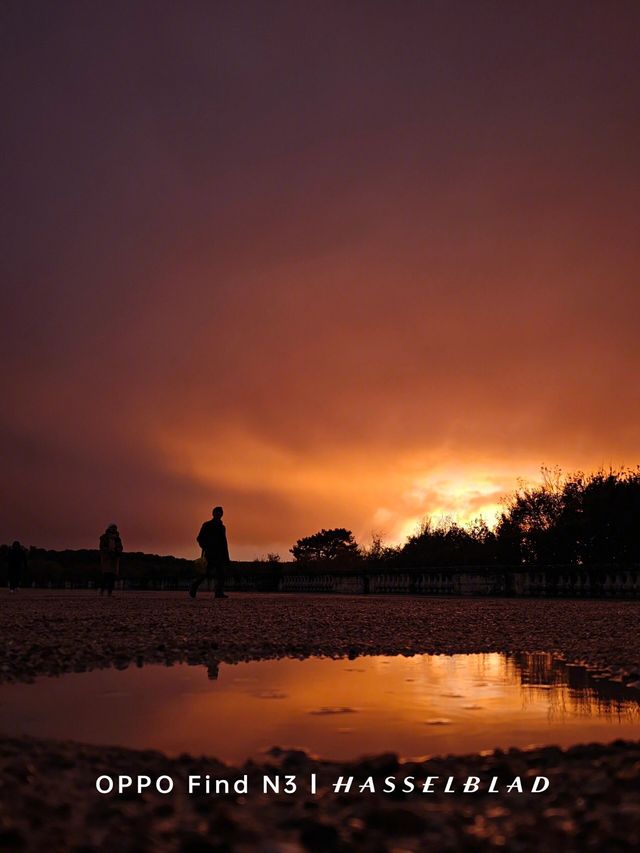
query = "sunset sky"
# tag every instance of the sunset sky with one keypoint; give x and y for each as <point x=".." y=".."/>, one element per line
<point x="324" y="263"/>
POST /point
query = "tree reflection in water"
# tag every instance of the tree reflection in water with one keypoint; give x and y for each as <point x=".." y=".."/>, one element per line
<point x="572" y="689"/>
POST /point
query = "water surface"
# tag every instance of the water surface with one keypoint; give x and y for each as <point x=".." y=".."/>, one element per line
<point x="420" y="705"/>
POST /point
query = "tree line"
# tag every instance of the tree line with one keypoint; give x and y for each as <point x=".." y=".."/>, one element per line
<point x="570" y="520"/>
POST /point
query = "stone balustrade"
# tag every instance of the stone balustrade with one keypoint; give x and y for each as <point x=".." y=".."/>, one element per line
<point x="552" y="581"/>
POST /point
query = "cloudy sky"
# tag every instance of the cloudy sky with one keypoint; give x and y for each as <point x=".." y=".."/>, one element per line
<point x="325" y="263"/>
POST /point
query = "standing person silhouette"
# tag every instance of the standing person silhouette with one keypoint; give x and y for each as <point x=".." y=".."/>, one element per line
<point x="213" y="541"/>
<point x="110" y="550"/>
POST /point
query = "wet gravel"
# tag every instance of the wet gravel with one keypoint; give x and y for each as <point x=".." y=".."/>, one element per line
<point x="47" y="789"/>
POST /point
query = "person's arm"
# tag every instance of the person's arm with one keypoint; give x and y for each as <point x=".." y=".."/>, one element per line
<point x="225" y="545"/>
<point x="201" y="538"/>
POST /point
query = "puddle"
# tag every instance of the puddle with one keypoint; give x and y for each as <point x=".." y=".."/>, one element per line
<point x="421" y="705"/>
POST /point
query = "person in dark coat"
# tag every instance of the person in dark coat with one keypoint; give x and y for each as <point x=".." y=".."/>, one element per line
<point x="110" y="550"/>
<point x="213" y="541"/>
<point x="17" y="564"/>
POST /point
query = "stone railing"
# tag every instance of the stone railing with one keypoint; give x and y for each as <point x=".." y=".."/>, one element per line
<point x="542" y="581"/>
<point x="549" y="581"/>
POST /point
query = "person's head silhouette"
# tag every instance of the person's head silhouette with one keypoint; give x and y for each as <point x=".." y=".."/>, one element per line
<point x="217" y="512"/>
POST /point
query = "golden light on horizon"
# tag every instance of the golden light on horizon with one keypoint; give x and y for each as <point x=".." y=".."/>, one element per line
<point x="374" y="494"/>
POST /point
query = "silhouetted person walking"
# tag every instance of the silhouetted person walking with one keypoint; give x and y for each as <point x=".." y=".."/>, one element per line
<point x="17" y="564"/>
<point x="110" y="550"/>
<point x="213" y="541"/>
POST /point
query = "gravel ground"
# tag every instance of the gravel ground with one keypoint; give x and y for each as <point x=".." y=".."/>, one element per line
<point x="54" y="632"/>
<point x="48" y="799"/>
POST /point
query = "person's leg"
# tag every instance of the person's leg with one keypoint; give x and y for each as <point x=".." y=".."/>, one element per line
<point x="220" y="572"/>
<point x="111" y="579"/>
<point x="205" y="576"/>
<point x="116" y="572"/>
<point x="196" y="583"/>
<point x="104" y="568"/>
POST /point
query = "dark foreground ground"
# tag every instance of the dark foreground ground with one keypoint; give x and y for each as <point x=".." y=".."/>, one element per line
<point x="47" y="794"/>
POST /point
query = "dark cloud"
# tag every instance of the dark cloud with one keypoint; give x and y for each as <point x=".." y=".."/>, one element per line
<point x="311" y="261"/>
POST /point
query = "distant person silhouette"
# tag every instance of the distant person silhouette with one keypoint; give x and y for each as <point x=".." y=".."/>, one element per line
<point x="17" y="564"/>
<point x="110" y="550"/>
<point x="213" y="541"/>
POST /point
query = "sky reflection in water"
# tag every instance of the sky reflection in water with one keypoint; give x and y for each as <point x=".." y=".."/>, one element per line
<point x="426" y="704"/>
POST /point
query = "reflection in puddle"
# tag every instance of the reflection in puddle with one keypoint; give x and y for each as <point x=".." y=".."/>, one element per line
<point x="421" y="705"/>
<point x="270" y="694"/>
<point x="328" y="711"/>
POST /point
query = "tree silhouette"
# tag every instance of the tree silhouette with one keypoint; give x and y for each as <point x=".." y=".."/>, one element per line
<point x="336" y="546"/>
<point x="449" y="544"/>
<point x="574" y="520"/>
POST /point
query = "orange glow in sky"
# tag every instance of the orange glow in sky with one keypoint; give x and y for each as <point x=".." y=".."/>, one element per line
<point x="321" y="267"/>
